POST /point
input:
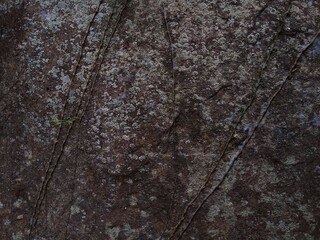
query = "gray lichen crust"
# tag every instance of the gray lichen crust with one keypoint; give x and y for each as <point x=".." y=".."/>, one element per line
<point x="159" y="119"/>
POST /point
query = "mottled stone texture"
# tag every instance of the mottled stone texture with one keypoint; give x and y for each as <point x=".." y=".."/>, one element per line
<point x="148" y="119"/>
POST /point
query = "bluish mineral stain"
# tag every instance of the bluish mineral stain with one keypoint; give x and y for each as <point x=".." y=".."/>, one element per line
<point x="150" y="105"/>
<point x="315" y="48"/>
<point x="315" y="120"/>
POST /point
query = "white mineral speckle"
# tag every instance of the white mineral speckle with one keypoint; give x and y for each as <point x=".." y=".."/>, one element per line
<point x="112" y="232"/>
<point x="6" y="222"/>
<point x="213" y="212"/>
<point x="17" y="203"/>
<point x="144" y="214"/>
<point x="126" y="137"/>
<point x="291" y="160"/>
<point x="74" y="209"/>
<point x="133" y="201"/>
<point x="17" y="236"/>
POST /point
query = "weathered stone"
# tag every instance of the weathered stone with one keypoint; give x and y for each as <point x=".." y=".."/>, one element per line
<point x="159" y="119"/>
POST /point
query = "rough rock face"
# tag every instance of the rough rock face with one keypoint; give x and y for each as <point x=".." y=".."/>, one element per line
<point x="149" y="119"/>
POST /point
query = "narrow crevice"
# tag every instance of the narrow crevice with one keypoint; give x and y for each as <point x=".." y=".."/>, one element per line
<point x="53" y="163"/>
<point x="180" y="225"/>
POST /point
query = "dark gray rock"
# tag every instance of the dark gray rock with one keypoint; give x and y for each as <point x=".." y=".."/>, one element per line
<point x="159" y="119"/>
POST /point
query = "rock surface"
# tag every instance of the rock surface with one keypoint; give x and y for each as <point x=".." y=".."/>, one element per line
<point x="149" y="119"/>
